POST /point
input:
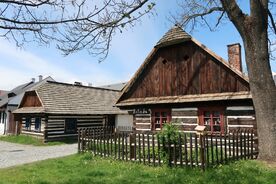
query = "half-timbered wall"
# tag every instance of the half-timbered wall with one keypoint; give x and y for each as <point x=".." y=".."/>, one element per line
<point x="241" y="117"/>
<point x="53" y="128"/>
<point x="31" y="129"/>
<point x="142" y="122"/>
<point x="186" y="119"/>
<point x="185" y="69"/>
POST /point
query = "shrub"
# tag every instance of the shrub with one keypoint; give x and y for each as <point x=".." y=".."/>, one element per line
<point x="168" y="136"/>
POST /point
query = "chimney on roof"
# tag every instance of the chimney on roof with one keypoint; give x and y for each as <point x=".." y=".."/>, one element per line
<point x="40" y="77"/>
<point x="32" y="79"/>
<point x="78" y="83"/>
<point x="234" y="56"/>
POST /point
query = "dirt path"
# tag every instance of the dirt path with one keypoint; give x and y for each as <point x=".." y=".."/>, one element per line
<point x="16" y="154"/>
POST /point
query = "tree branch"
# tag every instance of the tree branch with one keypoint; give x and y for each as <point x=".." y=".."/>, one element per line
<point x="72" y="25"/>
<point x="31" y="4"/>
<point x="189" y="18"/>
<point x="272" y="21"/>
<point x="235" y="14"/>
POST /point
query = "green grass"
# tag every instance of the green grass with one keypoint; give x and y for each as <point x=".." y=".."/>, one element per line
<point x="85" y="168"/>
<point x="29" y="140"/>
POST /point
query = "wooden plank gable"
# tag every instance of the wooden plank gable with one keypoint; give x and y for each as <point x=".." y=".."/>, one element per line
<point x="184" y="69"/>
<point x="30" y="99"/>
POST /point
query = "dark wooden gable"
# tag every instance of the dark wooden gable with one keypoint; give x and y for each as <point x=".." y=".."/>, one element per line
<point x="30" y="99"/>
<point x="184" y="69"/>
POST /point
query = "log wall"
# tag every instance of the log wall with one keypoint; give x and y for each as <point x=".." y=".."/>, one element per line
<point x="54" y="129"/>
<point x="186" y="119"/>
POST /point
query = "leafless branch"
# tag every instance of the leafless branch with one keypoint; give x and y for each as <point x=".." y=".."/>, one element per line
<point x="272" y="21"/>
<point x="196" y="12"/>
<point x="72" y="25"/>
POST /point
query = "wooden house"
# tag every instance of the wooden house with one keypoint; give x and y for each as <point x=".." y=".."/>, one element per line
<point x="10" y="101"/>
<point x="184" y="82"/>
<point x="54" y="110"/>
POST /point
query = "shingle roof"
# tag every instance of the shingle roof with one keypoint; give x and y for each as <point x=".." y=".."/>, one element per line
<point x="187" y="98"/>
<point x="61" y="98"/>
<point x="173" y="36"/>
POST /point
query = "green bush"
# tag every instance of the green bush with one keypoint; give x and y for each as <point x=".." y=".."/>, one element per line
<point x="168" y="136"/>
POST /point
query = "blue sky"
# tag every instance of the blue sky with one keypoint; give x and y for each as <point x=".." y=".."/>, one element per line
<point x="128" y="51"/>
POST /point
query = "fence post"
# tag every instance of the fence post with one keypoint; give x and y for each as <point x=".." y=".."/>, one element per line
<point x="82" y="141"/>
<point x="78" y="140"/>
<point x="169" y="151"/>
<point x="132" y="141"/>
<point x="202" y="148"/>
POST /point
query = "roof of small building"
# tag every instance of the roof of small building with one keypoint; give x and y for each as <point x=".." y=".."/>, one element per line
<point x="62" y="98"/>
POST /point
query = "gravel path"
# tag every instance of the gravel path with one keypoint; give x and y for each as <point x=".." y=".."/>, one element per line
<point x="16" y="154"/>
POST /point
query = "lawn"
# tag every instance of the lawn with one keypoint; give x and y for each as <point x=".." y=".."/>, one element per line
<point x="30" y="140"/>
<point x="84" y="168"/>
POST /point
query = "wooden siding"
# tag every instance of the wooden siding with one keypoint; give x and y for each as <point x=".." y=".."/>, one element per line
<point x="30" y="99"/>
<point x="185" y="69"/>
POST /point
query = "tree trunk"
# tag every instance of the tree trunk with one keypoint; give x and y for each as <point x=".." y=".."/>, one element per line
<point x="253" y="30"/>
<point x="262" y="88"/>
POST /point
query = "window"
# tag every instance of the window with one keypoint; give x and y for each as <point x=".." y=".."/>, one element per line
<point x="160" y="117"/>
<point x="28" y="123"/>
<point x="70" y="126"/>
<point x="3" y="117"/>
<point x="212" y="119"/>
<point x="38" y="124"/>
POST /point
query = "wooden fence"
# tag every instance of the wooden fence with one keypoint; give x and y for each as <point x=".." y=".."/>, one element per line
<point x="186" y="149"/>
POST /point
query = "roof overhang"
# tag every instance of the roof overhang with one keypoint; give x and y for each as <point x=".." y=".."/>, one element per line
<point x="185" y="99"/>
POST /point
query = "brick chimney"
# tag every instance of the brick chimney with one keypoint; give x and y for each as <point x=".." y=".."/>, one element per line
<point x="234" y="56"/>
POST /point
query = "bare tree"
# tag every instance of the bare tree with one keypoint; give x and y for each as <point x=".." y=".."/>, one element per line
<point x="257" y="30"/>
<point x="72" y="24"/>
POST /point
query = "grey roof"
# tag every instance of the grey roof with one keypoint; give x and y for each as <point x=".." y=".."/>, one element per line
<point x="20" y="90"/>
<point x="117" y="86"/>
<point x="173" y="36"/>
<point x="16" y="100"/>
<point x="17" y="90"/>
<point x="61" y="98"/>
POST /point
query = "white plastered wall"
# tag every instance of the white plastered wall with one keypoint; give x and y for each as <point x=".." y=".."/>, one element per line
<point x="124" y="122"/>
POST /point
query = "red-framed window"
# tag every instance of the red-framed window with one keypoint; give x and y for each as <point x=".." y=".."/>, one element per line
<point x="212" y="118"/>
<point x="160" y="117"/>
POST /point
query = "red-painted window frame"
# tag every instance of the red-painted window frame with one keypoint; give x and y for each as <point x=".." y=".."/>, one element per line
<point x="160" y="111"/>
<point x="221" y="111"/>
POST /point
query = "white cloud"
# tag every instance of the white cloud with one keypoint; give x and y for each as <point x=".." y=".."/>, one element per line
<point x="19" y="66"/>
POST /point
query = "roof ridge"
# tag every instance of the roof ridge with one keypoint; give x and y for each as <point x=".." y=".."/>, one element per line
<point x="81" y="86"/>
